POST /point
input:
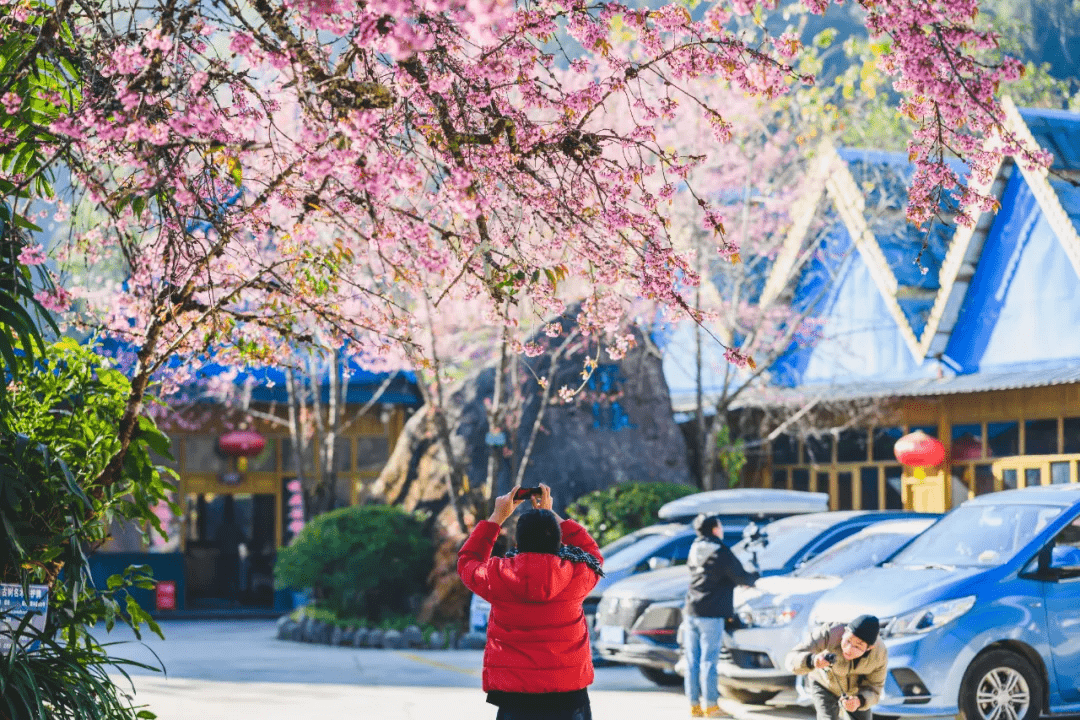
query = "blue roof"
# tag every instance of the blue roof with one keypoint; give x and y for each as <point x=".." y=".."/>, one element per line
<point x="269" y="382"/>
<point x="1058" y="131"/>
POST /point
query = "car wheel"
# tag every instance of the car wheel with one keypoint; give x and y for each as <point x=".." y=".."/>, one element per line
<point x="1001" y="685"/>
<point x="661" y="678"/>
<point x="746" y="697"/>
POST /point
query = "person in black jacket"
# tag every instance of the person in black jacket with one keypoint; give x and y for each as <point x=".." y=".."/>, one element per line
<point x="714" y="573"/>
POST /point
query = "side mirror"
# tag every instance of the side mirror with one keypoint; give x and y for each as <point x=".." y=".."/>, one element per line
<point x="1065" y="561"/>
<point x="655" y="563"/>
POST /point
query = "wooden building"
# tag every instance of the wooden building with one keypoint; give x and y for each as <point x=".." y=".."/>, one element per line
<point x="971" y="334"/>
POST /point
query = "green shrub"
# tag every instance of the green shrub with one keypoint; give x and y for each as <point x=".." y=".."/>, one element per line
<point x="620" y="509"/>
<point x="57" y="436"/>
<point x="360" y="561"/>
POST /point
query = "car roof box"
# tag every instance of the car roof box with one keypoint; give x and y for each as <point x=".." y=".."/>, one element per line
<point x="745" y="501"/>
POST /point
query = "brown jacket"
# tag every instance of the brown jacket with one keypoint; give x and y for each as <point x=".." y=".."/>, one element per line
<point x="864" y="676"/>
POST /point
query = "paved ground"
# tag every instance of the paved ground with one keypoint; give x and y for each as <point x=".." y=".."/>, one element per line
<point x="234" y="670"/>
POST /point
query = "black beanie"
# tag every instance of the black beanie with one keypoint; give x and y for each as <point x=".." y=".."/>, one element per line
<point x="865" y="627"/>
<point x="538" y="531"/>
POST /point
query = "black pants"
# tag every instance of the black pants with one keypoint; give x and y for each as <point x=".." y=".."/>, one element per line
<point x="828" y="707"/>
<point x="581" y="713"/>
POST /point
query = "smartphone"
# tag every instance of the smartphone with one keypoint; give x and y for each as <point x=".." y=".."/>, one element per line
<point x="527" y="492"/>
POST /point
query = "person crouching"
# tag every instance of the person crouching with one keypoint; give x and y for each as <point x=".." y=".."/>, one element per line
<point x="847" y="667"/>
<point x="538" y="658"/>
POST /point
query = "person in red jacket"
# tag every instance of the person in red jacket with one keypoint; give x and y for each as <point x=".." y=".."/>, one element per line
<point x="538" y="660"/>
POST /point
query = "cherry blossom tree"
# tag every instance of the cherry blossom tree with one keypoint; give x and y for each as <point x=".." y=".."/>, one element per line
<point x="260" y="174"/>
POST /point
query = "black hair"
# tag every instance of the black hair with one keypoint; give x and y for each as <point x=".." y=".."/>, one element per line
<point x="704" y="524"/>
<point x="538" y="531"/>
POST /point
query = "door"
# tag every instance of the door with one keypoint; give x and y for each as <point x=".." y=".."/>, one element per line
<point x="1063" y="611"/>
<point x="229" y="555"/>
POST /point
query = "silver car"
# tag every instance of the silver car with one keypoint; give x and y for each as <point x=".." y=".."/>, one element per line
<point x="774" y="613"/>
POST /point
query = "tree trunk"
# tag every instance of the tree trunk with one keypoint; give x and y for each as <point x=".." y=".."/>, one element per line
<point x="495" y="416"/>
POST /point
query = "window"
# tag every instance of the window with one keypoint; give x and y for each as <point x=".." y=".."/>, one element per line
<point x="800" y="479"/>
<point x="779" y="478"/>
<point x="1008" y="479"/>
<point x="843" y="491"/>
<point x="1003" y="439"/>
<point x="822" y="482"/>
<point x="1065" y="552"/>
<point x="984" y="479"/>
<point x="977" y="535"/>
<point x="894" y="488"/>
<point x="851" y="446"/>
<point x="930" y="430"/>
<point x="818" y="450"/>
<point x="785" y="450"/>
<point x="1059" y="473"/>
<point x="884" y="439"/>
<point x="960" y="487"/>
<point x="1072" y="435"/>
<point x="372" y="452"/>
<point x="868" y="486"/>
<point x="1040" y="437"/>
<point x="1032" y="476"/>
<point x="288" y="461"/>
<point x="342" y="454"/>
<point x="855" y="553"/>
<point x="679" y="550"/>
<point x="966" y="442"/>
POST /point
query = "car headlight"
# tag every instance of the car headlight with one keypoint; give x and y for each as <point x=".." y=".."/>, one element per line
<point x="767" y="616"/>
<point x="928" y="618"/>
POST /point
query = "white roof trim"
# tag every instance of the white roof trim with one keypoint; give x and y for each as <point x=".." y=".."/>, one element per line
<point x="802" y="214"/>
<point x="1045" y="195"/>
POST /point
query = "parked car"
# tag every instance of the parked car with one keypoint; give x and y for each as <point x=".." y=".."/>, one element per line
<point x="774" y="614"/>
<point x="638" y="618"/>
<point x="668" y="543"/>
<point x="980" y="613"/>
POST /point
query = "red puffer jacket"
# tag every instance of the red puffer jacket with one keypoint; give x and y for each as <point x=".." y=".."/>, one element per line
<point x="537" y="641"/>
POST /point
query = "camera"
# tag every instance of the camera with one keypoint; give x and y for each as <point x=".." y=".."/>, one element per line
<point x="754" y="533"/>
<point x="830" y="657"/>
<point x="527" y="492"/>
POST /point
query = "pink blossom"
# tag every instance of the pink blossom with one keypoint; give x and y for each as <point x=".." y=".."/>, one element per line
<point x="11" y="102"/>
<point x="32" y="255"/>
<point x="58" y="300"/>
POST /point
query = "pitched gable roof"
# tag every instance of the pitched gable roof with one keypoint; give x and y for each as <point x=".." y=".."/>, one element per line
<point x="926" y="312"/>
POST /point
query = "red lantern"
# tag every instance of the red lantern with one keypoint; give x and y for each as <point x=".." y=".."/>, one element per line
<point x="966" y="447"/>
<point x="242" y="443"/>
<point x="919" y="450"/>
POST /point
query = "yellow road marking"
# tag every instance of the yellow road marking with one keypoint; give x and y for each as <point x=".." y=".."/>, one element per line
<point x="435" y="663"/>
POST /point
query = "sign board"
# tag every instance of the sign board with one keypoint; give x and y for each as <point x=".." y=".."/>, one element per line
<point x="14" y="606"/>
<point x="165" y="595"/>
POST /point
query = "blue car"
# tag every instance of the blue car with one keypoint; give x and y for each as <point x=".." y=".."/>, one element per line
<point x="980" y="613"/>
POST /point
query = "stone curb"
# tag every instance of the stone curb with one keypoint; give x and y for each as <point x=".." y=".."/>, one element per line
<point x="412" y="638"/>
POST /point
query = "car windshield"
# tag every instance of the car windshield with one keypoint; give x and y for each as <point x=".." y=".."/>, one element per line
<point x="785" y="538"/>
<point x="857" y="552"/>
<point x="632" y="554"/>
<point x="976" y="535"/>
<point x="625" y="541"/>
